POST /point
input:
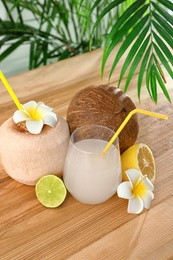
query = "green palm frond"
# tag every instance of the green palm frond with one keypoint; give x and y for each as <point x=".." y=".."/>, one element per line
<point x="119" y="30"/>
<point x="57" y="30"/>
<point x="145" y="26"/>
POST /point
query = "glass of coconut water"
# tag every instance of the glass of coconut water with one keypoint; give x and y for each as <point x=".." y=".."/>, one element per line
<point x="89" y="175"/>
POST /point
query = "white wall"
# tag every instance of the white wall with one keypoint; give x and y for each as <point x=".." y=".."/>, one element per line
<point x="15" y="63"/>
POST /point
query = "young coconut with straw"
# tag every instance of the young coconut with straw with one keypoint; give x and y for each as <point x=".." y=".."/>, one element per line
<point x="33" y="142"/>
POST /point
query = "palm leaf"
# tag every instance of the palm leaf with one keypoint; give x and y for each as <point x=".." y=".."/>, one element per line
<point x="163" y="23"/>
<point x="73" y="7"/>
<point x="163" y="33"/>
<point x="159" y="68"/>
<point x="163" y="60"/>
<point x="31" y="53"/>
<point x="63" y="29"/>
<point x="153" y="85"/>
<point x="142" y="69"/>
<point x="13" y="47"/>
<point x="132" y="53"/>
<point x="162" y="85"/>
<point x="8" y="11"/>
<point x="166" y="3"/>
<point x="136" y="62"/>
<point x="148" y="73"/>
<point x="119" y="31"/>
<point x="164" y="48"/>
<point x="165" y="14"/>
<point x="6" y="39"/>
<point x="129" y="39"/>
<point x="100" y="17"/>
<point x="122" y="19"/>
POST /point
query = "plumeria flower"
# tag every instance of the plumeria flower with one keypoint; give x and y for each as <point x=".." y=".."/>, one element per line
<point x="35" y="115"/>
<point x="138" y="190"/>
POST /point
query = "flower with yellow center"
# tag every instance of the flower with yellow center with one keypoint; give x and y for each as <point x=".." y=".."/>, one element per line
<point x="138" y="190"/>
<point x="35" y="115"/>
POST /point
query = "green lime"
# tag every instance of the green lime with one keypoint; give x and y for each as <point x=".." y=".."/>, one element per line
<point x="50" y="191"/>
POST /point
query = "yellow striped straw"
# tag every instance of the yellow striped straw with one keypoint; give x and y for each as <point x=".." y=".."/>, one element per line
<point x="141" y="111"/>
<point x="10" y="91"/>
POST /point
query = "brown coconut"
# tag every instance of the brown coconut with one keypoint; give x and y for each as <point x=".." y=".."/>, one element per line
<point x="107" y="106"/>
<point x="27" y="157"/>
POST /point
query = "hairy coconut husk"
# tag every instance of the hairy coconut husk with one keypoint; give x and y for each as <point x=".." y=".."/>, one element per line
<point x="107" y="106"/>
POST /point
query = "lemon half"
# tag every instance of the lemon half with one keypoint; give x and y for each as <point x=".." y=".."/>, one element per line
<point x="140" y="157"/>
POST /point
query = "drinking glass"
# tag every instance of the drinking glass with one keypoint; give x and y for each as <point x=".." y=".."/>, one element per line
<point x="90" y="176"/>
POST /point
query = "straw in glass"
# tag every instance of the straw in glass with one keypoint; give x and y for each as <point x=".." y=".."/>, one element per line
<point x="141" y="111"/>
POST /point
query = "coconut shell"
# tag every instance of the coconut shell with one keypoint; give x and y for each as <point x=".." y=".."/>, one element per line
<point x="107" y="106"/>
<point x="27" y="157"/>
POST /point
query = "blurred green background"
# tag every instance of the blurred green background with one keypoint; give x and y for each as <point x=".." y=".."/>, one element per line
<point x="39" y="32"/>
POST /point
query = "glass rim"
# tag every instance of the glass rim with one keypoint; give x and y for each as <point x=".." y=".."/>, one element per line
<point x="115" y="144"/>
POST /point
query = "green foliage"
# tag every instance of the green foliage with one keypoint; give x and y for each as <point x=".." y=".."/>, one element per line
<point x="57" y="30"/>
<point x="145" y="26"/>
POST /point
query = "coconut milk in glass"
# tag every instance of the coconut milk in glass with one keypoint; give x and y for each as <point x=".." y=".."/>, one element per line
<point x="89" y="176"/>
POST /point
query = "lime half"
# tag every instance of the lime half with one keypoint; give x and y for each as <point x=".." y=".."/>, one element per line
<point x="50" y="191"/>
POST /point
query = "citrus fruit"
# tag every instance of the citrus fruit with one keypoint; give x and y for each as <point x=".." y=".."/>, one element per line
<point x="50" y="191"/>
<point x="140" y="157"/>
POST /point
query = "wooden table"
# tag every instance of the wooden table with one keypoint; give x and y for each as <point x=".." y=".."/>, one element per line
<point x="74" y="231"/>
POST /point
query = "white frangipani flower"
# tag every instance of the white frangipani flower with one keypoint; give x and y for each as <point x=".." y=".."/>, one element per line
<point x="35" y="115"/>
<point x="138" y="190"/>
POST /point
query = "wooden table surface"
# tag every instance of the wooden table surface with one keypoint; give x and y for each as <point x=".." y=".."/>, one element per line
<point x="74" y="230"/>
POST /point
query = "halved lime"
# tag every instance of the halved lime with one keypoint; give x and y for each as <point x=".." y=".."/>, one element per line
<point x="50" y="191"/>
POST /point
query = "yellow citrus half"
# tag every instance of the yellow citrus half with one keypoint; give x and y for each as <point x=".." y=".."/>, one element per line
<point x="140" y="157"/>
<point x="50" y="191"/>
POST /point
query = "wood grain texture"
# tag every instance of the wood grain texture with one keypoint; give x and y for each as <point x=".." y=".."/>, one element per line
<point x="75" y="231"/>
